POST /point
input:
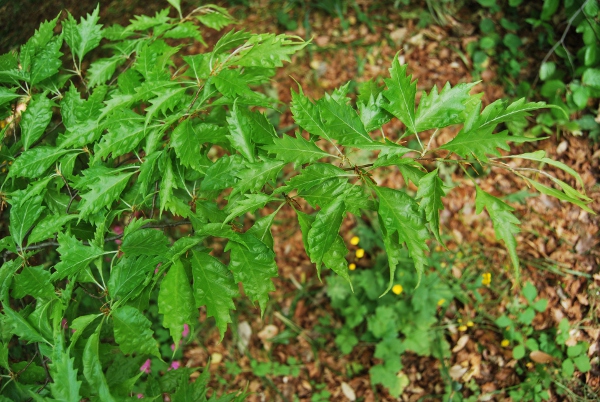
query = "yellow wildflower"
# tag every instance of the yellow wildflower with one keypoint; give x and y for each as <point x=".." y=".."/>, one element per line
<point x="443" y="265"/>
<point x="504" y="343"/>
<point x="441" y="302"/>
<point x="487" y="279"/>
<point x="360" y="253"/>
<point x="352" y="266"/>
<point x="470" y="323"/>
<point x="462" y="328"/>
<point x="354" y="241"/>
<point x="397" y="289"/>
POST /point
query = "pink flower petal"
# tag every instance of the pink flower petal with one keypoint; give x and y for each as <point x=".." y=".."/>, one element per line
<point x="146" y="366"/>
<point x="186" y="330"/>
<point x="175" y="365"/>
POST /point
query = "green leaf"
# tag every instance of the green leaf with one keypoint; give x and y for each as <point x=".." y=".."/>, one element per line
<point x="393" y="249"/>
<point x="443" y="109"/>
<point x="569" y="194"/>
<point x="306" y="115"/>
<point x="400" y="213"/>
<point x="176" y="301"/>
<point x="230" y="40"/>
<point x="167" y="183"/>
<point x="64" y="386"/>
<point x="254" y="265"/>
<point x="103" y="191"/>
<point x="518" y="352"/>
<point x="145" y="242"/>
<point x="102" y="70"/>
<point x="401" y="94"/>
<point x="476" y="137"/>
<point x="223" y="173"/>
<point x="74" y="256"/>
<point x="184" y="30"/>
<point x="591" y="78"/>
<point x="84" y="36"/>
<point x="133" y="333"/>
<point x="92" y="369"/>
<point x="187" y="140"/>
<point x="33" y="281"/>
<point x="166" y="100"/>
<point x="335" y="259"/>
<point x="430" y="192"/>
<point x="372" y="114"/>
<point x="214" y="288"/>
<point x="269" y="50"/>
<point x="530" y="292"/>
<point x="505" y="223"/>
<point x="324" y="231"/>
<point x="314" y="175"/>
<point x="35" y="119"/>
<point x="387" y="375"/>
<point x="176" y="4"/>
<point x="48" y="226"/>
<point x="231" y="84"/>
<point x="125" y="132"/>
<point x="23" y="214"/>
<point x="240" y="134"/>
<point x="540" y="156"/>
<point x="47" y="62"/>
<point x="37" y="42"/>
<point x="583" y="363"/>
<point x="250" y="204"/>
<point x="262" y="229"/>
<point x="7" y="95"/>
<point x="342" y="122"/>
<point x="257" y="175"/>
<point x="128" y="274"/>
<point x="217" y="18"/>
<point x="354" y="196"/>
<point x="34" y="162"/>
<point x="20" y="327"/>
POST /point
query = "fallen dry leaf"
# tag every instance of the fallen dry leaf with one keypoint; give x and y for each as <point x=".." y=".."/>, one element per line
<point x="540" y="357"/>
<point x="348" y="391"/>
<point x="461" y="343"/>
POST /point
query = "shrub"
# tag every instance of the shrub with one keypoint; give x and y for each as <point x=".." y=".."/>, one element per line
<point x="105" y="160"/>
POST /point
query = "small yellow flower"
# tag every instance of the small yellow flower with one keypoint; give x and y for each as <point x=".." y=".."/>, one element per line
<point x="470" y="323"/>
<point x="360" y="253"/>
<point x="459" y="320"/>
<point x="352" y="266"/>
<point x="505" y="343"/>
<point x="397" y="289"/>
<point x="487" y="279"/>
<point x="354" y="241"/>
<point x="443" y="265"/>
<point x="462" y="328"/>
<point x="441" y="302"/>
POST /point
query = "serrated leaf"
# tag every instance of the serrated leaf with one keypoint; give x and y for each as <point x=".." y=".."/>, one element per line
<point x="187" y="140"/>
<point x="176" y="4"/>
<point x="240" y="135"/>
<point x="133" y="333"/>
<point x="20" y="327"/>
<point x="34" y="162"/>
<point x="7" y="95"/>
<point x="125" y="132"/>
<point x="256" y="175"/>
<point x="253" y="264"/>
<point x="165" y="100"/>
<point x="306" y="115"/>
<point x="326" y="193"/>
<point x="48" y="226"/>
<point x="342" y="122"/>
<point x="314" y="175"/>
<point x="216" y="20"/>
<point x="570" y="195"/>
<point x="393" y="250"/>
<point x="144" y="22"/>
<point x="214" y="288"/>
<point x="400" y="93"/>
<point x="476" y="137"/>
<point x="92" y="369"/>
<point x="128" y="273"/>
<point x="372" y="115"/>
<point x="167" y="183"/>
<point x="231" y="84"/>
<point x="540" y="156"/>
<point x="176" y="301"/>
<point x="430" y="192"/>
<point x="37" y="42"/>
<point x="74" y="256"/>
<point x="335" y="259"/>
<point x="103" y="191"/>
<point x="23" y="214"/>
<point x="443" y="109"/>
<point x="102" y="70"/>
<point x="64" y="386"/>
<point x="269" y="50"/>
<point x="33" y="281"/>
<point x="84" y="36"/>
<point x="324" y="231"/>
<point x="297" y="150"/>
<point x="230" y="40"/>
<point x="262" y="229"/>
<point x="35" y="119"/>
<point x="505" y="223"/>
<point x="47" y="62"/>
<point x="145" y="242"/>
<point x="400" y="213"/>
<point x="250" y="204"/>
<point x="223" y="173"/>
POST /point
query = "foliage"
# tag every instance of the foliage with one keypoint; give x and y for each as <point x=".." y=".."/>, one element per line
<point x="108" y="153"/>
<point x="568" y="73"/>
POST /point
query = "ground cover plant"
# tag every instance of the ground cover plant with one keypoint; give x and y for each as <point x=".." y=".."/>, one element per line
<point x="122" y="174"/>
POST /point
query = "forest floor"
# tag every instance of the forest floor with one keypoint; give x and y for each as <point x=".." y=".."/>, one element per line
<point x="557" y="247"/>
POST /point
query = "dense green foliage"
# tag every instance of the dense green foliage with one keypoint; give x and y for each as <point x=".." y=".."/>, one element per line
<point x="148" y="139"/>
